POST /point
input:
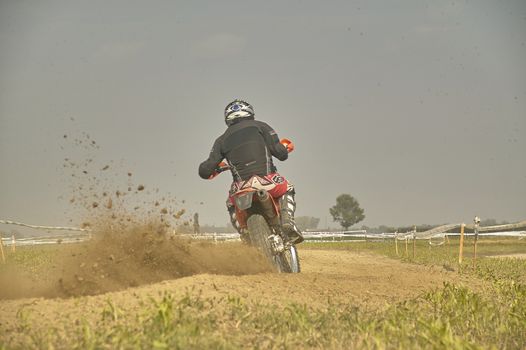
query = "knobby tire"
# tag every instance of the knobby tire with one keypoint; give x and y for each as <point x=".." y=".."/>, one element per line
<point x="259" y="230"/>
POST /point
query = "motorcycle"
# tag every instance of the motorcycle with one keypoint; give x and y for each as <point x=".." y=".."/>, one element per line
<point x="259" y="213"/>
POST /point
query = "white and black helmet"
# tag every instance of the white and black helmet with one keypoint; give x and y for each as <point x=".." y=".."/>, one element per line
<point x="236" y="110"/>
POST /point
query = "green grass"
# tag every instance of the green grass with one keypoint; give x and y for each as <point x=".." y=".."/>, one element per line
<point x="447" y="254"/>
<point x="486" y="246"/>
<point x="451" y="317"/>
<point x="31" y="258"/>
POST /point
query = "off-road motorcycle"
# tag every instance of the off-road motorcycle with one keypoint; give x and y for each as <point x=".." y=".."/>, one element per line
<point x="259" y="213"/>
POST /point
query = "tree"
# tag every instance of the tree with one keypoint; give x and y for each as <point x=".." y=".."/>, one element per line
<point x="347" y="211"/>
<point x="307" y="222"/>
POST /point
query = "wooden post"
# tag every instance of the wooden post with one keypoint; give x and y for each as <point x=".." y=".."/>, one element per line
<point x="475" y="251"/>
<point x="461" y="246"/>
<point x="13" y="243"/>
<point x="396" y="244"/>
<point x="414" y="246"/>
<point x="2" y="249"/>
<point x="406" y="249"/>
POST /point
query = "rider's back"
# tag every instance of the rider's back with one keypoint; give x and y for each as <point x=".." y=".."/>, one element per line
<point x="248" y="146"/>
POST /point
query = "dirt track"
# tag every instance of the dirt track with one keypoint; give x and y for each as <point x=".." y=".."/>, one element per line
<point x="359" y="279"/>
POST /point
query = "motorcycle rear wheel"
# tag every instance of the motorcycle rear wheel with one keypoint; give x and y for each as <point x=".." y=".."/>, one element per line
<point x="259" y="231"/>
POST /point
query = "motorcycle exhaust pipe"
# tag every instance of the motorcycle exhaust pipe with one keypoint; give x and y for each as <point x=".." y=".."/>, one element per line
<point x="266" y="204"/>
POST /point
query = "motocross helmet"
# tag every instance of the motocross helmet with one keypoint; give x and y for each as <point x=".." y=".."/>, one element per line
<point x="236" y="110"/>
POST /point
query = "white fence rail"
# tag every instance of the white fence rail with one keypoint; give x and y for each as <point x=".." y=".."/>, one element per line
<point x="319" y="237"/>
<point x="51" y="228"/>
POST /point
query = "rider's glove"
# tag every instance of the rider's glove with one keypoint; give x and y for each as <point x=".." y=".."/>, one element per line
<point x="219" y="169"/>
<point x="288" y="144"/>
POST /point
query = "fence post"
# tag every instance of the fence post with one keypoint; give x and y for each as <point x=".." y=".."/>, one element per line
<point x="414" y="241"/>
<point x="396" y="243"/>
<point x="13" y="243"/>
<point x="461" y="245"/>
<point x="406" y="249"/>
<point x="414" y="246"/>
<point x="477" y="222"/>
<point x="2" y="249"/>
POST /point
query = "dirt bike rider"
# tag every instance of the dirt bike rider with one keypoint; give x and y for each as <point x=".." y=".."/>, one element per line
<point x="248" y="146"/>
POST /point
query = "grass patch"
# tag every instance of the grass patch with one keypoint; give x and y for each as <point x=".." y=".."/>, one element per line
<point x="446" y="255"/>
<point x="486" y="246"/>
<point x="31" y="258"/>
<point x="451" y="317"/>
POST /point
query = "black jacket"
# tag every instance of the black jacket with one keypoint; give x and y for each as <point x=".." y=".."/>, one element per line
<point x="248" y="147"/>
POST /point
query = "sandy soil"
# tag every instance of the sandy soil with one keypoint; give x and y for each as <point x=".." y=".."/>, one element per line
<point x="360" y="279"/>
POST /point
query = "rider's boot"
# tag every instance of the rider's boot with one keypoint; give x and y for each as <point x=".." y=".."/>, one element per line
<point x="287" y="208"/>
<point x="233" y="219"/>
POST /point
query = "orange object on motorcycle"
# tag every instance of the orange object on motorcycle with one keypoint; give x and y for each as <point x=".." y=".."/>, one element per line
<point x="288" y="144"/>
<point x="223" y="166"/>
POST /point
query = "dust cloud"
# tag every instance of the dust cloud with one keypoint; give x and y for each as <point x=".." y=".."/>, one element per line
<point x="117" y="259"/>
<point x="134" y="240"/>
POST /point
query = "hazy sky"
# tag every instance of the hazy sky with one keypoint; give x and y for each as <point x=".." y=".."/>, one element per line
<point x="416" y="108"/>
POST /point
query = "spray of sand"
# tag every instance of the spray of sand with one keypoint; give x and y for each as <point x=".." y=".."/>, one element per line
<point x="117" y="259"/>
<point x="134" y="240"/>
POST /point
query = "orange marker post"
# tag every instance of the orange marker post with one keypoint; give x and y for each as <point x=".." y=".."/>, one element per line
<point x="414" y="246"/>
<point x="461" y="246"/>
<point x="2" y="249"/>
